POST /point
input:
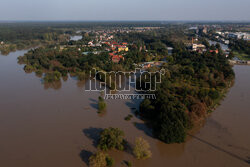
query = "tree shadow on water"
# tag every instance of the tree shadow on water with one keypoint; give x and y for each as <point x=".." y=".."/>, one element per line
<point x="84" y="154"/>
<point x="56" y="85"/>
<point x="94" y="103"/>
<point x="248" y="160"/>
<point x="134" y="107"/>
<point x="128" y="147"/>
<point x="143" y="127"/>
<point x="93" y="100"/>
<point x="93" y="134"/>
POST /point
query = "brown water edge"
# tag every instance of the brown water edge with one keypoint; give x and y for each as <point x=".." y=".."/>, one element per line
<point x="47" y="127"/>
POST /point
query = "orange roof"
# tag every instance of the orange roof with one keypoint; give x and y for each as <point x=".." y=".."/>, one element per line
<point x="216" y="51"/>
<point x="116" y="59"/>
<point x="115" y="56"/>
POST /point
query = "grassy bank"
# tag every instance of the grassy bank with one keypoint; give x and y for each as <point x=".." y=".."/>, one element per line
<point x="242" y="56"/>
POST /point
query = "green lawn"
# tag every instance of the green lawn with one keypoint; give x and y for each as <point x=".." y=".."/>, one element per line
<point x="242" y="56"/>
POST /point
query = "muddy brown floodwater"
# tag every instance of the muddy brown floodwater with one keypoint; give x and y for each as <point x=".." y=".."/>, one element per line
<point x="57" y="127"/>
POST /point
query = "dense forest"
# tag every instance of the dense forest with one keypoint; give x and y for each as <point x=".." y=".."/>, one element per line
<point x="17" y="36"/>
<point x="193" y="85"/>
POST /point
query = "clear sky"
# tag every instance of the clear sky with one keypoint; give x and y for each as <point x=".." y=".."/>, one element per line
<point x="125" y="10"/>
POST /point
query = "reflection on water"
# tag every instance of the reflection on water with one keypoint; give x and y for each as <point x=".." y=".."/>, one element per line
<point x="80" y="84"/>
<point x="59" y="126"/>
<point x="54" y="85"/>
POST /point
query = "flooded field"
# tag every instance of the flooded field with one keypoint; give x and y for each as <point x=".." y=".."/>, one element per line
<point x="57" y="125"/>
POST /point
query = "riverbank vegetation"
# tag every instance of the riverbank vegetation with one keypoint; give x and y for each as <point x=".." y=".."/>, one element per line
<point x="241" y="48"/>
<point x="70" y="60"/>
<point x="128" y="118"/>
<point x="193" y="85"/>
<point x="242" y="56"/>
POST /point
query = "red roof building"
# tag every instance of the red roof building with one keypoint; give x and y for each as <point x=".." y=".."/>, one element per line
<point x="116" y="59"/>
<point x="214" y="51"/>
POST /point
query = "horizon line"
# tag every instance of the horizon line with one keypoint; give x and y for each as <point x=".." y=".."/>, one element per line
<point x="225" y="21"/>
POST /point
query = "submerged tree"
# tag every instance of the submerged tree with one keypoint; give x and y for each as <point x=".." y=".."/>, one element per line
<point x="101" y="104"/>
<point x="101" y="159"/>
<point x="142" y="149"/>
<point x="111" y="138"/>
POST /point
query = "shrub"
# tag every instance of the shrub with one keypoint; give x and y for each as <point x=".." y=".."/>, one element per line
<point x="81" y="76"/>
<point x="141" y="149"/>
<point x="101" y="104"/>
<point x="111" y="138"/>
<point x="28" y="68"/>
<point x="128" y="163"/>
<point x="98" y="160"/>
<point x="129" y="117"/>
<point x="101" y="159"/>
<point x="51" y="77"/>
<point x="110" y="161"/>
<point x="39" y="73"/>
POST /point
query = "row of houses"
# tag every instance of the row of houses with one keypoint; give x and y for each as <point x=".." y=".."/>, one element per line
<point x="235" y="35"/>
<point x="105" y="39"/>
<point x="116" y="58"/>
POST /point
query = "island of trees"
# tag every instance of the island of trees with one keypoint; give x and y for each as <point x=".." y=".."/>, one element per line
<point x="113" y="138"/>
<point x="192" y="87"/>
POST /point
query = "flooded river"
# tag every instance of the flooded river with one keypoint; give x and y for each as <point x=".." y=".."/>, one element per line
<point x="47" y="127"/>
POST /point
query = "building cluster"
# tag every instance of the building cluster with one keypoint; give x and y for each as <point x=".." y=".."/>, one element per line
<point x="115" y="57"/>
<point x="239" y="35"/>
<point x="117" y="50"/>
<point x="200" y="29"/>
<point x="103" y="41"/>
<point x="147" y="65"/>
<point x="221" y="37"/>
<point x="200" y="48"/>
<point x="234" y="35"/>
<point x="106" y="40"/>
